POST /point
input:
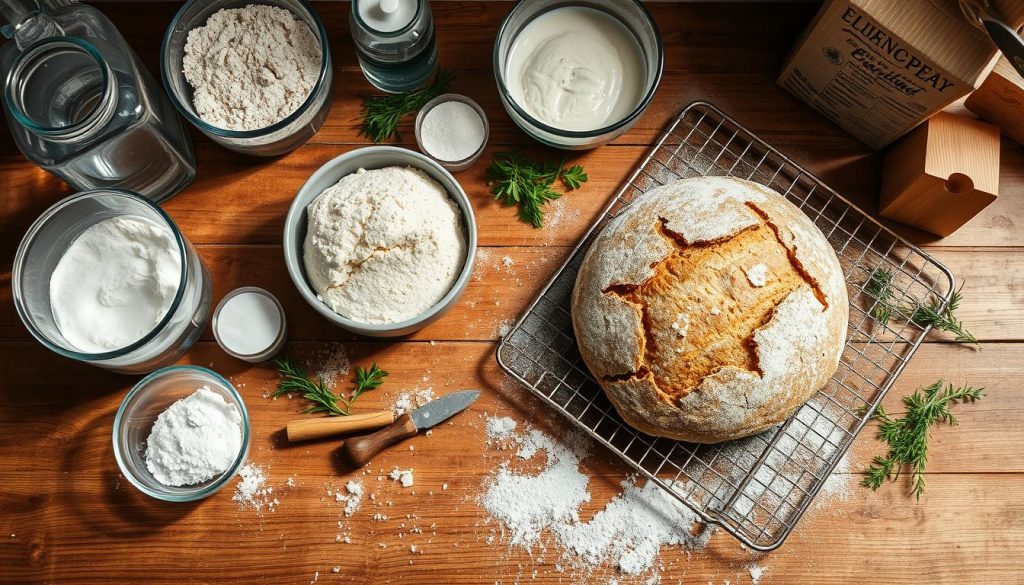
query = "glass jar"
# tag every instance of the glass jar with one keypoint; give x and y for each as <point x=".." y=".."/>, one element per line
<point x="276" y="139"/>
<point x="49" y="238"/>
<point x="395" y="43"/>
<point x="81" y="106"/>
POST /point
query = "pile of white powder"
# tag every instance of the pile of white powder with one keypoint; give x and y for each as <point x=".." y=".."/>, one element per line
<point x="196" y="439"/>
<point x="627" y="534"/>
<point x="383" y="246"/>
<point x="452" y="131"/>
<point x="250" y="67"/>
<point x="115" y="283"/>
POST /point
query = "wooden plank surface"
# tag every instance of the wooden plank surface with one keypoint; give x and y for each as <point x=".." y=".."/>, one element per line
<point x="67" y="516"/>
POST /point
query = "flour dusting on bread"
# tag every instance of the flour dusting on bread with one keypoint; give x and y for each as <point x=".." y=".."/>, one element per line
<point x="710" y="309"/>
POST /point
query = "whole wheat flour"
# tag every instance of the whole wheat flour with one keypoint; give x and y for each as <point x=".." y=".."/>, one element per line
<point x="250" y="67"/>
<point x="383" y="246"/>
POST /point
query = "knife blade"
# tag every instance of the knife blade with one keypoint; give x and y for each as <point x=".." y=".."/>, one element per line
<point x="359" y="450"/>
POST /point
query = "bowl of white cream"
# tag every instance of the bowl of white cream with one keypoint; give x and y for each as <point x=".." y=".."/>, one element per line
<point x="380" y="241"/>
<point x="575" y="75"/>
<point x="106" y="277"/>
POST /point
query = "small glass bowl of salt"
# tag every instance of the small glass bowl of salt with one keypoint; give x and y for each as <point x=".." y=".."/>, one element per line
<point x="174" y="434"/>
<point x="453" y="130"/>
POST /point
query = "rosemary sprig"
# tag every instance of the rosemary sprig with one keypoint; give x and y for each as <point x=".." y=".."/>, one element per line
<point x="517" y="180"/>
<point x="907" y="437"/>
<point x="295" y="380"/>
<point x="879" y="286"/>
<point x="382" y="113"/>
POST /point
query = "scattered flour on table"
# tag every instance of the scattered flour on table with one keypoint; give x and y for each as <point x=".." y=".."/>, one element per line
<point x="332" y="364"/>
<point x="353" y="499"/>
<point x="196" y="439"/>
<point x="250" y="67"/>
<point x="402" y="476"/>
<point x="756" y="573"/>
<point x="627" y="533"/>
<point x="252" y="491"/>
<point x="407" y="401"/>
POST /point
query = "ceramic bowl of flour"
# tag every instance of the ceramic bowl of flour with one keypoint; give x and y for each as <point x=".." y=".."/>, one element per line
<point x="371" y="158"/>
<point x="151" y="457"/>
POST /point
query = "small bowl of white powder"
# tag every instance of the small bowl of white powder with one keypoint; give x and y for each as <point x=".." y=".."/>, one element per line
<point x="181" y="434"/>
<point x="453" y="130"/>
<point x="380" y="241"/>
<point x="255" y="77"/>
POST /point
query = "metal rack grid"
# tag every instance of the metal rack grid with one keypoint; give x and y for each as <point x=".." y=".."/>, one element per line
<point x="755" y="488"/>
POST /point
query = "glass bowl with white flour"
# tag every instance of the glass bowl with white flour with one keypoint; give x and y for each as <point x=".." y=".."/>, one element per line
<point x="107" y="278"/>
<point x="255" y="77"/>
<point x="380" y="241"/>
<point x="575" y="75"/>
<point x="181" y="433"/>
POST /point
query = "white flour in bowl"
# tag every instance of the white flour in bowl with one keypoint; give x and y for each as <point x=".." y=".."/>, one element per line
<point x="196" y="439"/>
<point x="250" y="67"/>
<point x="383" y="246"/>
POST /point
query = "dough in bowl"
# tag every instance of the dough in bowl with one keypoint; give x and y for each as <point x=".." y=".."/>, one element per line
<point x="710" y="309"/>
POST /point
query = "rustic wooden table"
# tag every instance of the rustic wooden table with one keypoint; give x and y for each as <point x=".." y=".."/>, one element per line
<point x="66" y="515"/>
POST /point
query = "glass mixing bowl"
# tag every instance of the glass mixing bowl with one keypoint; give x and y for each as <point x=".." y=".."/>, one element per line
<point x="50" y="236"/>
<point x="630" y="13"/>
<point x="275" y="139"/>
<point x="140" y="409"/>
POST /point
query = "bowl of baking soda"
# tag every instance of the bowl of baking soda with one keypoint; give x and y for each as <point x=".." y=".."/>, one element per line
<point x="181" y="434"/>
<point x="576" y="75"/>
<point x="380" y="241"/>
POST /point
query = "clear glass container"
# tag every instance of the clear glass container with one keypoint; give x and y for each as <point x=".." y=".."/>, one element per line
<point x="636" y="19"/>
<point x="138" y="412"/>
<point x="276" y="139"/>
<point x="81" y="105"/>
<point x="49" y="238"/>
<point x="395" y="43"/>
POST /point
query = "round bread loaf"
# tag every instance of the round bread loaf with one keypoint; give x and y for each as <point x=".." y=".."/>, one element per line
<point x="710" y="309"/>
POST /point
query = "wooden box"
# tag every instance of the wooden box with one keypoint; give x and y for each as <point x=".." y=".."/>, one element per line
<point x="1000" y="100"/>
<point x="941" y="174"/>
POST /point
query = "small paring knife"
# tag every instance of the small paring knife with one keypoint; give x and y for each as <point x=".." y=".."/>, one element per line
<point x="359" y="450"/>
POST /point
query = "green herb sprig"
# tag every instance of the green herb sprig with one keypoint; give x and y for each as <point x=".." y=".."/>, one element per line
<point x="907" y="436"/>
<point x="517" y="180"/>
<point x="382" y="113"/>
<point x="933" y="314"/>
<point x="295" y="380"/>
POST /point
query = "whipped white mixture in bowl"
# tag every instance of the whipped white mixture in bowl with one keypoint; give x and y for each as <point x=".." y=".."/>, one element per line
<point x="576" y="75"/>
<point x="576" y="68"/>
<point x="383" y="245"/>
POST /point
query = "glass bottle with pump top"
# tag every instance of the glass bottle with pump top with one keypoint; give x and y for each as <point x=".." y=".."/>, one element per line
<point x="394" y="41"/>
<point x="82" y="106"/>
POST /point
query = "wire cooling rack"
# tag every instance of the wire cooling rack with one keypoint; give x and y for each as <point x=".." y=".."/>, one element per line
<point x="755" y="488"/>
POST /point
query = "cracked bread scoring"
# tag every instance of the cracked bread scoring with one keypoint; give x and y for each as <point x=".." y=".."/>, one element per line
<point x="710" y="309"/>
<point x="384" y="245"/>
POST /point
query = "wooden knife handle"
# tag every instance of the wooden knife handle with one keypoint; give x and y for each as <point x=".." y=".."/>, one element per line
<point x="316" y="428"/>
<point x="359" y="450"/>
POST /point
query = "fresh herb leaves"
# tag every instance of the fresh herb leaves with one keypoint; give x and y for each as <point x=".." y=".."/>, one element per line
<point x="295" y="380"/>
<point x="907" y="437"/>
<point x="517" y="180"/>
<point x="879" y="286"/>
<point x="382" y="113"/>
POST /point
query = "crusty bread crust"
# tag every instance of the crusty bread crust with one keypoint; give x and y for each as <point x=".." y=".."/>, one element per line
<point x="710" y="309"/>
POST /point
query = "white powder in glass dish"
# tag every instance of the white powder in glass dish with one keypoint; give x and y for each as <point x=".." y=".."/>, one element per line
<point x="452" y="131"/>
<point x="196" y="439"/>
<point x="250" y="67"/>
<point x="115" y="283"/>
<point x="383" y="246"/>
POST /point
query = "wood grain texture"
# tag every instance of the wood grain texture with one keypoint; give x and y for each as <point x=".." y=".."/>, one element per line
<point x="67" y="516"/>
